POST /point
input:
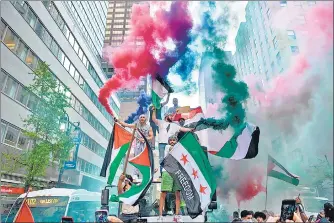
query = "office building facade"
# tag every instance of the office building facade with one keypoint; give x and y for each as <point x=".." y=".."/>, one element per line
<point x="59" y="34"/>
<point x="263" y="49"/>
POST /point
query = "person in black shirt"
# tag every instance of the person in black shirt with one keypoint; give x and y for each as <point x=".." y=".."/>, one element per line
<point x="181" y="134"/>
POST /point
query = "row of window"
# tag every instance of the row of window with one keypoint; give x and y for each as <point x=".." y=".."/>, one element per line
<point x="84" y="12"/>
<point x="13" y="136"/>
<point x="91" y="41"/>
<point x="73" y="42"/>
<point x="19" y="93"/>
<point x="87" y="167"/>
<point x="297" y="3"/>
<point x="50" y="42"/>
<point x="31" y="60"/>
<point x="92" y="145"/>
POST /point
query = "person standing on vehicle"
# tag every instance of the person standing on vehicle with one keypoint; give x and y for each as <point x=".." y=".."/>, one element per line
<point x="155" y="128"/>
<point x="166" y="129"/>
<point x="169" y="185"/>
<point x="129" y="213"/>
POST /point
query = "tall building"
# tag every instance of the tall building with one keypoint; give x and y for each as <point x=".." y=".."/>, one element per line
<point x="68" y="36"/>
<point x="207" y="93"/>
<point x="117" y="29"/>
<point x="262" y="49"/>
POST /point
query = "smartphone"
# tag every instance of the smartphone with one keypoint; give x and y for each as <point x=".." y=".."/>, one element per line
<point x="288" y="208"/>
<point x="101" y="216"/>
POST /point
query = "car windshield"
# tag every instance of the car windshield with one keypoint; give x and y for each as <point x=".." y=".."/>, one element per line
<point x="83" y="211"/>
<point x="149" y="204"/>
<point x="313" y="204"/>
<point x="43" y="209"/>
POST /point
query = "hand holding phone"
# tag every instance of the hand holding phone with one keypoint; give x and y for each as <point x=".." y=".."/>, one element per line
<point x="288" y="209"/>
<point x="101" y="216"/>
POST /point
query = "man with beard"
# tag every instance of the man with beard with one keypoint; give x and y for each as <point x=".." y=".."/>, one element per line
<point x="166" y="129"/>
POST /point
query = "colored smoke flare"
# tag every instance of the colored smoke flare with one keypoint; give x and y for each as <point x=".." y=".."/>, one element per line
<point x="143" y="102"/>
<point x="132" y="62"/>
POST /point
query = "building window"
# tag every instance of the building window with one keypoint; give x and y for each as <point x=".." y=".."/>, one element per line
<point x="291" y="34"/>
<point x="47" y="39"/>
<point x="272" y="66"/>
<point x="3" y="130"/>
<point x="22" y="95"/>
<point x="294" y="49"/>
<point x="275" y="42"/>
<point x="54" y="48"/>
<point x="67" y="63"/>
<point x="22" y="51"/>
<point x="31" y="18"/>
<point x="12" y="135"/>
<point x="283" y="3"/>
<point x="278" y="58"/>
<point x="10" y="39"/>
<point x="32" y="103"/>
<point x="23" y="141"/>
<point x="268" y="13"/>
<point x="11" y="87"/>
<point x="32" y="60"/>
<point x="2" y="29"/>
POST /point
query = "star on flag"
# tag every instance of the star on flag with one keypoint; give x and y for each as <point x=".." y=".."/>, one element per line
<point x="195" y="173"/>
<point x="184" y="159"/>
<point x="202" y="189"/>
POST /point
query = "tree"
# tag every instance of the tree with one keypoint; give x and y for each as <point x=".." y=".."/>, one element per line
<point x="42" y="126"/>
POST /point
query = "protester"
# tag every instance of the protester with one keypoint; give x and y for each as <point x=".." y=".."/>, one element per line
<point x="172" y="110"/>
<point x="246" y="216"/>
<point x="260" y="216"/>
<point x="169" y="185"/>
<point x="166" y="129"/>
<point x="329" y="213"/>
<point x="155" y="128"/>
<point x="180" y="134"/>
<point x="129" y="213"/>
<point x="144" y="128"/>
<point x="236" y="217"/>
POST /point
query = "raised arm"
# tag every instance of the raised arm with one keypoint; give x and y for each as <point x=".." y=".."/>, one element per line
<point x="120" y="184"/>
<point x="154" y="116"/>
<point x="183" y="129"/>
<point x="165" y="103"/>
<point x="126" y="125"/>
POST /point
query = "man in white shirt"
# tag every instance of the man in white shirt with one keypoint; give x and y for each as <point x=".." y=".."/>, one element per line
<point x="166" y="129"/>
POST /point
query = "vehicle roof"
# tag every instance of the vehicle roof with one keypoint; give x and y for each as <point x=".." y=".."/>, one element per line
<point x="59" y="192"/>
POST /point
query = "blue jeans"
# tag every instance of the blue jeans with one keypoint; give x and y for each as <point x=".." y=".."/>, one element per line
<point x="161" y="154"/>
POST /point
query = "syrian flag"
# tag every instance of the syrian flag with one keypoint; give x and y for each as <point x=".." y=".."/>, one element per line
<point x="159" y="89"/>
<point x="119" y="144"/>
<point x="190" y="168"/>
<point x="276" y="170"/>
<point x="144" y="162"/>
<point x="233" y="143"/>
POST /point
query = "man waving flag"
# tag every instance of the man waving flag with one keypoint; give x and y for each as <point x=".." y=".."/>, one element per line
<point x="190" y="168"/>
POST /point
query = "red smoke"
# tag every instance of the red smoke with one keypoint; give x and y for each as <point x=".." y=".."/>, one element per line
<point x="132" y="62"/>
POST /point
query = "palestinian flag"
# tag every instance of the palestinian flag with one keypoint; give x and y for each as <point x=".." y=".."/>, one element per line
<point x="276" y="170"/>
<point x="190" y="168"/>
<point x="222" y="140"/>
<point x="159" y="89"/>
<point x="145" y="164"/>
<point x="119" y="144"/>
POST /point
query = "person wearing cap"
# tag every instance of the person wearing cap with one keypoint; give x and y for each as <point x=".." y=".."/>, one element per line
<point x="169" y="185"/>
<point x="166" y="129"/>
<point x="129" y="213"/>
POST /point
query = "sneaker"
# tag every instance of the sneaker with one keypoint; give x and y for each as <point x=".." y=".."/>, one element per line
<point x="177" y="218"/>
<point x="160" y="219"/>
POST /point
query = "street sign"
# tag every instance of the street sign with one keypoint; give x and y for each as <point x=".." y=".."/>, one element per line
<point x="68" y="165"/>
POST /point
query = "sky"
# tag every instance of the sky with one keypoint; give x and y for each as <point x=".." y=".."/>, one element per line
<point x="237" y="16"/>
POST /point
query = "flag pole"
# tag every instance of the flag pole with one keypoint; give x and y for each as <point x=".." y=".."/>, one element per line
<point x="128" y="153"/>
<point x="265" y="206"/>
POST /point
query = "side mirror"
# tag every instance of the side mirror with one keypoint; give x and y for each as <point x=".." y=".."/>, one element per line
<point x="105" y="197"/>
<point x="67" y="220"/>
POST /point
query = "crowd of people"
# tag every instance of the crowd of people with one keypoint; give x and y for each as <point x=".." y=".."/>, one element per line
<point x="299" y="215"/>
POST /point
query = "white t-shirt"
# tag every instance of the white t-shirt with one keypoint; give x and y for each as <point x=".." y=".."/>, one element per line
<point x="167" y="129"/>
